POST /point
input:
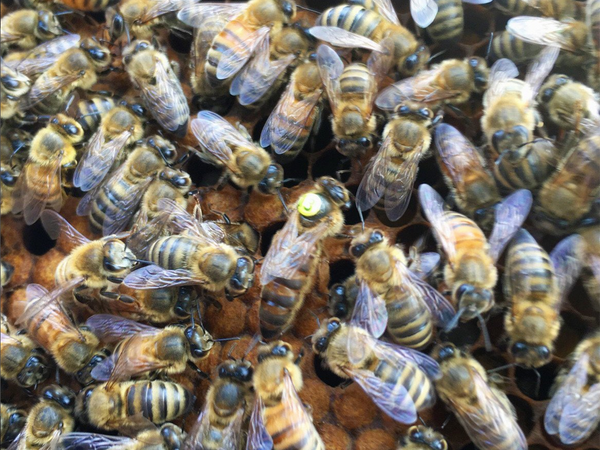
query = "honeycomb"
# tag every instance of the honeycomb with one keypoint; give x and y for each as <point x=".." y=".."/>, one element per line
<point x="343" y="414"/>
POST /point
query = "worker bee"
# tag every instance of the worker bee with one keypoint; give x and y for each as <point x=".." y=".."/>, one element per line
<point x="14" y="151"/>
<point x="290" y="265"/>
<point x="509" y="116"/>
<point x="448" y="19"/>
<point x="568" y="103"/>
<point x="89" y="112"/>
<point x="573" y="413"/>
<point x="197" y="254"/>
<point x="391" y="296"/>
<point x="298" y="111"/>
<point x="342" y="298"/>
<point x="506" y="45"/>
<point x="238" y="234"/>
<point x="21" y="360"/>
<point x="167" y="437"/>
<point x="592" y="15"/>
<point x="567" y="196"/>
<point x="389" y="178"/>
<point x="139" y="19"/>
<point x="349" y="25"/>
<point x="466" y="174"/>
<point x="351" y="91"/>
<point x="279" y="419"/>
<point x="398" y="379"/>
<point x="558" y="9"/>
<point x="13" y="87"/>
<point x="420" y="437"/>
<point x="75" y="68"/>
<point x="12" y="421"/>
<point x="452" y="82"/>
<point x="39" y="185"/>
<point x="6" y="273"/>
<point x="50" y="418"/>
<point x="150" y="71"/>
<point x="79" y="5"/>
<point x="120" y="127"/>
<point x="219" y="424"/>
<point x="117" y="405"/>
<point x="536" y="284"/>
<point x="25" y="28"/>
<point x="591" y="275"/>
<point x="483" y="410"/>
<point x="470" y="272"/>
<point x="245" y="163"/>
<point x="112" y="204"/>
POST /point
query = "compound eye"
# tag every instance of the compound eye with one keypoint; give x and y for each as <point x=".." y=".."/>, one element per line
<point x="358" y="250"/>
<point x="543" y="352"/>
<point x="411" y="62"/>
<point x="518" y="348"/>
<point x="547" y="94"/>
<point x="365" y="142"/>
<point x="426" y="113"/>
<point x="404" y="110"/>
<point x="333" y="325"/>
<point x="70" y="129"/>
<point x="321" y="344"/>
<point x="288" y="9"/>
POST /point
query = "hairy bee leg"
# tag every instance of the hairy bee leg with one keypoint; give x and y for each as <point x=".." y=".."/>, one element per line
<point x="199" y="371"/>
<point x="116" y="296"/>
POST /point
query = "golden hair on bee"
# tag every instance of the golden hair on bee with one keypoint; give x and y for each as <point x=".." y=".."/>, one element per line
<point x="25" y="28"/>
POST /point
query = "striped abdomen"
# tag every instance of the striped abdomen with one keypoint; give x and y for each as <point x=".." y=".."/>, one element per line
<point x="282" y="298"/>
<point x="88" y="5"/>
<point x="466" y="233"/>
<point x="203" y="39"/>
<point x="449" y="22"/>
<point x="291" y="431"/>
<point x="594" y="6"/>
<point x="356" y="84"/>
<point x="352" y="18"/>
<point x="90" y="112"/>
<point x="506" y="45"/>
<point x="173" y="252"/>
<point x="516" y="8"/>
<point x="409" y="321"/>
<point x="43" y="184"/>
<point x="158" y="401"/>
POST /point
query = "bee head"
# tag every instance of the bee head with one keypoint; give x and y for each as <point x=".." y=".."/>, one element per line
<point x="200" y="342"/>
<point x="473" y="300"/>
<point x="242" y="279"/>
<point x="410" y="65"/>
<point x="48" y="26"/>
<point x="277" y="349"/>
<point x="186" y="301"/>
<point x="423" y="435"/>
<point x="35" y="370"/>
<point x="503" y="140"/>
<point x="338" y="301"/>
<point x="272" y="181"/>
<point x="445" y="352"/>
<point x="172" y="436"/>
<point x="320" y="340"/>
<point x="84" y="376"/>
<point x="63" y="396"/>
<point x="551" y="86"/>
<point x="530" y="355"/>
<point x="165" y="149"/>
<point x="364" y="241"/>
<point x="116" y="22"/>
<point x="16" y="422"/>
<point x="178" y="178"/>
<point x="335" y="191"/>
<point x="354" y="147"/>
<point x="237" y="370"/>
<point x="117" y="258"/>
<point x="481" y="73"/>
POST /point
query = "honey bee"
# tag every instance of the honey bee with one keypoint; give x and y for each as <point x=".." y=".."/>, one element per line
<point x="245" y="163"/>
<point x="448" y="20"/>
<point x="25" y="28"/>
<point x="470" y="272"/>
<point x="389" y="178"/>
<point x="297" y="113"/>
<point x="466" y="174"/>
<point x="120" y="127"/>
<point x="198" y="255"/>
<point x="573" y="413"/>
<point x="591" y="275"/>
<point x="536" y="283"/>
<point x="265" y="73"/>
<point x="139" y="19"/>
<point x="239" y="235"/>
<point x="21" y="360"/>
<point x="567" y="196"/>
<point x="111" y="204"/>
<point x="506" y="45"/>
<point x="6" y="273"/>
<point x="420" y="437"/>
<point x="290" y="265"/>
<point x="219" y="424"/>
<point x="397" y="379"/>
<point x="89" y="112"/>
<point x="14" y="150"/>
<point x="112" y="406"/>
<point x="510" y="117"/>
<point x="75" y="68"/>
<point x="50" y="418"/>
<point x="150" y="71"/>
<point x="593" y="21"/>
<point x="484" y="411"/>
<point x="167" y="437"/>
<point x="39" y="185"/>
<point x="452" y="82"/>
<point x="351" y="91"/>
<point x="558" y="9"/>
<point x="568" y="103"/>
<point x="75" y="349"/>
<point x="13" y="87"/>
<point x="342" y="298"/>
<point x="79" y="5"/>
<point x="12" y="421"/>
<point x="349" y="25"/>
<point x="279" y="420"/>
<point x="391" y="296"/>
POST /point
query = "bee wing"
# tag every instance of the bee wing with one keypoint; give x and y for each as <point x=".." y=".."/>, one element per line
<point x="258" y="438"/>
<point x="386" y="9"/>
<point x="158" y="8"/>
<point x="289" y="250"/>
<point x="330" y="68"/>
<point x="540" y="68"/>
<point x="567" y="262"/>
<point x="488" y="417"/>
<point x="54" y="224"/>
<point x="568" y="392"/>
<point x="85" y="204"/>
<point x="424" y="264"/>
<point x="369" y="312"/>
<point x="293" y="406"/>
<point x="20" y="439"/>
<point x="46" y="86"/>
<point x="511" y="212"/>
<point x="112" y="329"/>
<point x="234" y="58"/>
<point x="399" y="356"/>
<point x="94" y="441"/>
<point x="541" y="31"/>
<point x="501" y="71"/>
<point x="579" y="418"/>
<point x="339" y="37"/>
<point x="40" y="58"/>
<point x="380" y="63"/>
<point x="433" y="208"/>
<point x="423" y="12"/>
<point x="233" y="431"/>
<point x="398" y="193"/>
<point x="197" y="14"/>
<point x="155" y="277"/>
<point x="373" y="185"/>
<point x="286" y="123"/>
<point x="166" y="96"/>
<point x="98" y="159"/>
<point x="54" y="441"/>
<point x="117" y="219"/>
<point x="215" y="136"/>
<point x="7" y="338"/>
<point x="193" y="440"/>
<point x="181" y="221"/>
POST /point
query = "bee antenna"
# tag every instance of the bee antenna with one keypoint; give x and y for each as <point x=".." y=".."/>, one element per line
<point x="253" y="343"/>
<point x="484" y="331"/>
<point x="316" y="317"/>
<point x="421" y="420"/>
<point x="360" y="214"/>
<point x="489" y="48"/>
<point x="308" y="9"/>
<point x="236" y="338"/>
<point x="199" y="316"/>
<point x="446" y="422"/>
<point x="452" y="324"/>
<point x="432" y="57"/>
<point x="231" y="350"/>
<point x="498" y="369"/>
<point x="64" y="13"/>
<point x="127" y="33"/>
<point x="280" y="195"/>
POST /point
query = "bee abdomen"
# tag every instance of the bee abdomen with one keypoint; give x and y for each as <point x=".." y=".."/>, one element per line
<point x="108" y="200"/>
<point x="529" y="266"/>
<point x="506" y="45"/>
<point x="410" y="325"/>
<point x="233" y="35"/>
<point x="289" y="431"/>
<point x="352" y="18"/>
<point x="416" y="383"/>
<point x="158" y="401"/>
<point x="449" y="21"/>
<point x="172" y="252"/>
<point x="528" y="173"/>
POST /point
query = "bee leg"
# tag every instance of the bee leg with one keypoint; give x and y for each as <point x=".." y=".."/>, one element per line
<point x="299" y="357"/>
<point x="199" y="371"/>
<point x="345" y="383"/>
<point x="115" y="280"/>
<point x="116" y="296"/>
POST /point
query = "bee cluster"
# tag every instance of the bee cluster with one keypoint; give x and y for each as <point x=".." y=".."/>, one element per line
<point x="372" y="226"/>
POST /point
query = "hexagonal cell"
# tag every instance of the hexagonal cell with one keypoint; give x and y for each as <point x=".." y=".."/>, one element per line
<point x="340" y="270"/>
<point x="491" y="360"/>
<point x="525" y="416"/>
<point x="573" y="329"/>
<point x="326" y="375"/>
<point x="36" y="240"/>
<point x="536" y="384"/>
<point x="267" y="236"/>
<point x="465" y="334"/>
<point x="329" y="163"/>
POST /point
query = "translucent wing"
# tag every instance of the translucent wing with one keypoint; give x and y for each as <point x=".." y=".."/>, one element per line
<point x="112" y="329"/>
<point x="93" y="441"/>
<point x="54" y="224"/>
<point x="541" y="31"/>
<point x="540" y="68"/>
<point x="400" y="356"/>
<point x="197" y="14"/>
<point x="155" y="277"/>
<point x="433" y="208"/>
<point x="386" y="9"/>
<point x="258" y="438"/>
<point x="40" y="58"/>
<point x="374" y="183"/>
<point x="423" y="12"/>
<point x="234" y="58"/>
<point x="183" y="222"/>
<point x="369" y="311"/>
<point x="117" y="219"/>
<point x="7" y="338"/>
<point x="46" y="86"/>
<point x="330" y="68"/>
<point x="230" y="435"/>
<point x="424" y="264"/>
<point x="510" y="215"/>
<point x="293" y="407"/>
<point x="345" y="39"/>
<point x="193" y="440"/>
<point x="215" y="136"/>
<point x="501" y="71"/>
<point x="566" y="260"/>
<point x="398" y="193"/>
<point x="580" y="418"/>
<point x="380" y="63"/>
<point x="160" y="7"/>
